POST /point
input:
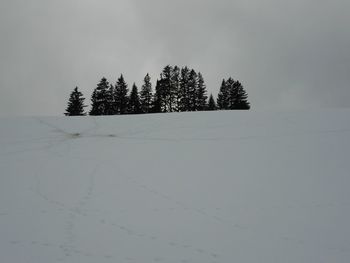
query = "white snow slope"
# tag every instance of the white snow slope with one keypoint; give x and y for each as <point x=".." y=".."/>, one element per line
<point x="176" y="188"/>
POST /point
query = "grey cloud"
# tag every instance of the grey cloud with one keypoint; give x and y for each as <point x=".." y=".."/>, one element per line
<point x="288" y="54"/>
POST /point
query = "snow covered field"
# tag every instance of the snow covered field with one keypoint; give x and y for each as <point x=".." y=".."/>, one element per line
<point x="176" y="188"/>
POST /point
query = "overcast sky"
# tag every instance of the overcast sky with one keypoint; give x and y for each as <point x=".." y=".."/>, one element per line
<point x="288" y="54"/>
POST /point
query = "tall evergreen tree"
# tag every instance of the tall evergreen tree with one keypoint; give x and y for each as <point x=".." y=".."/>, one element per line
<point x="169" y="90"/>
<point x="231" y="86"/>
<point x="232" y="96"/>
<point x="157" y="103"/>
<point x="121" y="95"/>
<point x="241" y="100"/>
<point x="99" y="98"/>
<point x="223" y="96"/>
<point x="163" y="94"/>
<point x="76" y="104"/>
<point x="111" y="104"/>
<point x="175" y="87"/>
<point x="95" y="107"/>
<point x="146" y="95"/>
<point x="211" y="103"/>
<point x="192" y="90"/>
<point x="165" y="85"/>
<point x="134" y="101"/>
<point x="183" y="94"/>
<point x="201" y="93"/>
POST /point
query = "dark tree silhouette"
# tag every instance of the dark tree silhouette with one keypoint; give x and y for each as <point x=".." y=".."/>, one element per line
<point x="168" y="85"/>
<point x="134" y="101"/>
<point x="146" y="95"/>
<point x="99" y="98"/>
<point x="232" y="96"/>
<point x="223" y="97"/>
<point x="110" y="105"/>
<point x="231" y="87"/>
<point x="165" y="86"/>
<point x="183" y="94"/>
<point x="241" y="101"/>
<point x="192" y="90"/>
<point x="201" y="93"/>
<point x="175" y="87"/>
<point x="121" y="95"/>
<point x="211" y="103"/>
<point x="75" y="104"/>
<point x="157" y="103"/>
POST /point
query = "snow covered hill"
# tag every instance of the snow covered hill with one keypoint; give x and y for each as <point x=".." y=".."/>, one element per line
<point x="176" y="188"/>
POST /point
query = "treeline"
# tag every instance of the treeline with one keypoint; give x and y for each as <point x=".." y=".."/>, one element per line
<point x="177" y="90"/>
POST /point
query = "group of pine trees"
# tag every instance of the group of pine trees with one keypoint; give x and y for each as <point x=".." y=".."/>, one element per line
<point x="176" y="90"/>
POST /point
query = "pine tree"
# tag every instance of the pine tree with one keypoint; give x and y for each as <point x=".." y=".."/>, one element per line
<point x="201" y="94"/>
<point x="211" y="103"/>
<point x="241" y="101"/>
<point x="223" y="96"/>
<point x="121" y="95"/>
<point x="134" y="101"/>
<point x="183" y="94"/>
<point x="175" y="87"/>
<point x="157" y="102"/>
<point x="231" y="86"/>
<point x="165" y="86"/>
<point x="146" y="95"/>
<point x="94" y="104"/>
<point x="192" y="90"/>
<point x="99" y="98"/>
<point x="75" y="104"/>
<point x="162" y="95"/>
<point x="169" y="89"/>
<point x="111" y="106"/>
<point x="232" y="96"/>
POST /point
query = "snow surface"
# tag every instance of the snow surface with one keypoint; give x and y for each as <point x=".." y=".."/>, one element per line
<point x="185" y="187"/>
